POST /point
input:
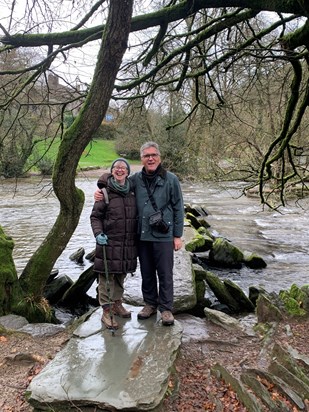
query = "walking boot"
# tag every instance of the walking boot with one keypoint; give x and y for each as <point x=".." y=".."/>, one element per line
<point x="147" y="311"/>
<point x="167" y="318"/>
<point x="120" y="310"/>
<point x="108" y="319"/>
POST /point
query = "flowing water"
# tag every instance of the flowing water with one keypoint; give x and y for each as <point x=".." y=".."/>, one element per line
<point x="28" y="211"/>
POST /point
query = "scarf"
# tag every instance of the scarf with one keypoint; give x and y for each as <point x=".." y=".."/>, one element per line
<point x="121" y="189"/>
<point x="150" y="178"/>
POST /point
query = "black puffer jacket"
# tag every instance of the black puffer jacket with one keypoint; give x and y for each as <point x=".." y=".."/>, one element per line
<point x="118" y="220"/>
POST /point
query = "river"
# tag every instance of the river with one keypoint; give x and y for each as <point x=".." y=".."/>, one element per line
<point x="28" y="211"/>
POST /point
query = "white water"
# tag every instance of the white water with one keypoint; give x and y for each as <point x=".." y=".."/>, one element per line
<point x="28" y="211"/>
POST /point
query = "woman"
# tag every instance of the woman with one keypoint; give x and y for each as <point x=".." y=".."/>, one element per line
<point x="114" y="226"/>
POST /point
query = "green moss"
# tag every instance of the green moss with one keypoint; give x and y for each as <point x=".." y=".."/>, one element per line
<point x="9" y="285"/>
<point x="293" y="301"/>
<point x="197" y="242"/>
<point x="226" y="253"/>
<point x="254" y="261"/>
<point x="200" y="290"/>
<point x="262" y="328"/>
<point x="35" y="310"/>
<point x="193" y="220"/>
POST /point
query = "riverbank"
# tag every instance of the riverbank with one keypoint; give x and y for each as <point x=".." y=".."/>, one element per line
<point x="192" y="385"/>
<point x="93" y="172"/>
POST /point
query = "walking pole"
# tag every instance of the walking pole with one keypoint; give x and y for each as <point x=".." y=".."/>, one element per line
<point x="108" y="290"/>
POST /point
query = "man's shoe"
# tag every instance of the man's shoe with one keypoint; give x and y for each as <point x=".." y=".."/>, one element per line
<point x="146" y="312"/>
<point x="167" y="318"/>
<point x="120" y="310"/>
<point x="109" y="320"/>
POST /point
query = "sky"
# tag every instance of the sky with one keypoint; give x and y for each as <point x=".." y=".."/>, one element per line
<point x="78" y="65"/>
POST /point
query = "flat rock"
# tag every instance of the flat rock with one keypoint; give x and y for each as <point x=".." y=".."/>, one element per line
<point x="127" y="370"/>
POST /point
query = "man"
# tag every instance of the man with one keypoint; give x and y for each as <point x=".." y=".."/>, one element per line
<point x="157" y="190"/>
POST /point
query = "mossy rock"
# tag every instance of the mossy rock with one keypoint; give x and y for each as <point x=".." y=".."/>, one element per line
<point x="292" y="305"/>
<point x="194" y="222"/>
<point x="199" y="271"/>
<point x="305" y="302"/>
<point x="238" y="294"/>
<point x="196" y="243"/>
<point x="267" y="310"/>
<point x="221" y="292"/>
<point x="200" y="288"/>
<point x="225" y="254"/>
<point x="253" y="261"/>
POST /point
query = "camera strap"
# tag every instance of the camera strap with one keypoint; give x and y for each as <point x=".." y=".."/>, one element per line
<point x="151" y="198"/>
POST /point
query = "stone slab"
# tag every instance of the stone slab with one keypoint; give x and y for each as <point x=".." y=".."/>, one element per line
<point x="127" y="370"/>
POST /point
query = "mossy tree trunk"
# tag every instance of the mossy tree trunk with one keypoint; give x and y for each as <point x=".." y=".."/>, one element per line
<point x="75" y="140"/>
<point x="10" y="290"/>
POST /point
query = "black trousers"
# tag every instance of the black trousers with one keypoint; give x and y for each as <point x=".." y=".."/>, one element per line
<point x="157" y="260"/>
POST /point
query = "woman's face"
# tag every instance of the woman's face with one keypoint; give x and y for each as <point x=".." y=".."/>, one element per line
<point x="120" y="172"/>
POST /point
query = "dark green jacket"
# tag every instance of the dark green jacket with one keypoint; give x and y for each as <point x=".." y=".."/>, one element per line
<point x="167" y="194"/>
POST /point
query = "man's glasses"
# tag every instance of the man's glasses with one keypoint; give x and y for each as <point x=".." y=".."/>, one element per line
<point x="148" y="156"/>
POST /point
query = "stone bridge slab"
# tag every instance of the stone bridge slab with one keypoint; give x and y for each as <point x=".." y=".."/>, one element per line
<point x="127" y="370"/>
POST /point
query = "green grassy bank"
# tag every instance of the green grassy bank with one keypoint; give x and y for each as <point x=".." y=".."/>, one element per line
<point x="98" y="153"/>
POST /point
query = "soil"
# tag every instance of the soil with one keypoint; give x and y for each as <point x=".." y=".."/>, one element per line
<point x="192" y="386"/>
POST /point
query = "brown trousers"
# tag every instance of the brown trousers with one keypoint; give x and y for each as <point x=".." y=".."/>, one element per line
<point x="115" y="288"/>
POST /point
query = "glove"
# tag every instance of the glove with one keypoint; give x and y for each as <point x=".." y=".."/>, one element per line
<point x="101" y="239"/>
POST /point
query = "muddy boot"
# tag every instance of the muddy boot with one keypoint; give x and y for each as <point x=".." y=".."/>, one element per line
<point x="167" y="318"/>
<point x="120" y="310"/>
<point x="146" y="312"/>
<point x="108" y="319"/>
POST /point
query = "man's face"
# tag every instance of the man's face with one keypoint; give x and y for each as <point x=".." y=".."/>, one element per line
<point x="150" y="159"/>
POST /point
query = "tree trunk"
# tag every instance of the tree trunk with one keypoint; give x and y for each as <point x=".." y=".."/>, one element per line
<point x="75" y="140"/>
<point x="10" y="292"/>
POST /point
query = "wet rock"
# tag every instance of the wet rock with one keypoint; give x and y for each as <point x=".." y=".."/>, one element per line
<point x="184" y="284"/>
<point x="252" y="403"/>
<point x="127" y="371"/>
<point x="196" y="210"/>
<point x="78" y="255"/>
<point x="223" y="253"/>
<point x="55" y="289"/>
<point x="221" y="292"/>
<point x="266" y="309"/>
<point x="253" y="261"/>
<point x="77" y="292"/>
<point x="250" y="379"/>
<point x="225" y="321"/>
<point x="20" y="324"/>
<point x="245" y="303"/>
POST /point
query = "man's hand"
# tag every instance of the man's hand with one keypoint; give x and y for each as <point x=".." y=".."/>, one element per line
<point x="177" y="243"/>
<point x="98" y="195"/>
<point x="101" y="239"/>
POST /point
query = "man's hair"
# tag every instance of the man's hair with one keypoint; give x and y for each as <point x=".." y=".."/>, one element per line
<point x="149" y="144"/>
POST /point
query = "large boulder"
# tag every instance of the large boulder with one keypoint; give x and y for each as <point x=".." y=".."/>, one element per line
<point x="224" y="253"/>
<point x="184" y="284"/>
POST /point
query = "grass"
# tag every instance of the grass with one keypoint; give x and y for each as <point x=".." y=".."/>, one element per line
<point x="98" y="153"/>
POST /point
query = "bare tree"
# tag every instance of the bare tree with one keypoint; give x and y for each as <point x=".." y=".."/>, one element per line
<point x="74" y="141"/>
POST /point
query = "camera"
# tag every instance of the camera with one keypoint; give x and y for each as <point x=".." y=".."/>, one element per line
<point x="156" y="222"/>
